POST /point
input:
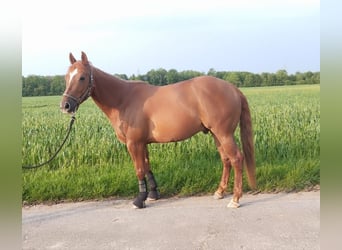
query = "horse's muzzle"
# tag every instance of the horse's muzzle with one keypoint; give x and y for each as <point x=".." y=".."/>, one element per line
<point x="68" y="105"/>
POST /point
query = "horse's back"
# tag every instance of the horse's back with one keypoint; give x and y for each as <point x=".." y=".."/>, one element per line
<point x="199" y="95"/>
<point x="214" y="86"/>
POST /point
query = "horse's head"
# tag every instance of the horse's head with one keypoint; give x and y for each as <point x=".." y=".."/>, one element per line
<point x="79" y="84"/>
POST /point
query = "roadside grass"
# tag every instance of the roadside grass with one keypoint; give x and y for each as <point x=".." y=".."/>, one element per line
<point x="94" y="164"/>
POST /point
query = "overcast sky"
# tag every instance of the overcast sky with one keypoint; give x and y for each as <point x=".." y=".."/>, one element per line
<point x="132" y="36"/>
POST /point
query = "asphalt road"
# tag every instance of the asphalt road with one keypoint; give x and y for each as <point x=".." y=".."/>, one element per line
<point x="264" y="221"/>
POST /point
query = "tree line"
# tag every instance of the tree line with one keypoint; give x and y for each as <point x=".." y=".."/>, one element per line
<point x="34" y="85"/>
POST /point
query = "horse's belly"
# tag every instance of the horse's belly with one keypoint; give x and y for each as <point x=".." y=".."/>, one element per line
<point x="172" y="129"/>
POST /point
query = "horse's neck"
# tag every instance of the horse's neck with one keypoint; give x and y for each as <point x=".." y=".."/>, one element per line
<point x="109" y="91"/>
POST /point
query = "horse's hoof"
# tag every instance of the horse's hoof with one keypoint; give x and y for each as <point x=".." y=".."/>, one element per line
<point x="153" y="195"/>
<point x="138" y="205"/>
<point x="218" y="196"/>
<point x="233" y="204"/>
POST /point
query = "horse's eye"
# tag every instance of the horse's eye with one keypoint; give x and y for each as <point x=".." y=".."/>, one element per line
<point x="82" y="78"/>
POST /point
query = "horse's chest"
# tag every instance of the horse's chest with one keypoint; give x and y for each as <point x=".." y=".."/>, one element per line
<point x="121" y="136"/>
<point x="120" y="131"/>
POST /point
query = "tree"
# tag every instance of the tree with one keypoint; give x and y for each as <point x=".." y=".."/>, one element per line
<point x="249" y="80"/>
<point x="281" y="77"/>
<point x="316" y="78"/>
<point x="233" y="77"/>
<point x="308" y="77"/>
<point x="172" y="76"/>
<point x="188" y="74"/>
<point x="211" y="72"/>
<point x="122" y="76"/>
<point x="57" y="85"/>
<point x="133" y="77"/>
<point x="265" y="79"/>
<point x="157" y="77"/>
<point x="300" y="79"/>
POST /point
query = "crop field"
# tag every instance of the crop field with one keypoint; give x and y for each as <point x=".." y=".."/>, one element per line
<point x="93" y="164"/>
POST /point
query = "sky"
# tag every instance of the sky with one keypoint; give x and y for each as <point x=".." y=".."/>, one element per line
<point x="133" y="37"/>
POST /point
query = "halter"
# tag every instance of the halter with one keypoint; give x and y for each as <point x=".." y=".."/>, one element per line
<point x="86" y="93"/>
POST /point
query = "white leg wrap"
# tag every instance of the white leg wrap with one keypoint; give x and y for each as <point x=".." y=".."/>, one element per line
<point x="218" y="196"/>
<point x="233" y="204"/>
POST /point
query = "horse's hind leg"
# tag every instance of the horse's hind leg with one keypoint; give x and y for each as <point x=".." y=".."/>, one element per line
<point x="153" y="194"/>
<point x="225" y="171"/>
<point x="236" y="159"/>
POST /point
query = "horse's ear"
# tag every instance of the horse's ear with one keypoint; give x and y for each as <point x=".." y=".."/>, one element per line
<point x="84" y="58"/>
<point x="72" y="58"/>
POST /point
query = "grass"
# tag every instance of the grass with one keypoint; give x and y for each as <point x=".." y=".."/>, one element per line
<point x="94" y="164"/>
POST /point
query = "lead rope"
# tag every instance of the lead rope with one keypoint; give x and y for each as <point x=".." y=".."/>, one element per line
<point x="73" y="118"/>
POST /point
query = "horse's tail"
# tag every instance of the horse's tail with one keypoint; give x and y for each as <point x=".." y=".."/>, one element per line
<point x="246" y="134"/>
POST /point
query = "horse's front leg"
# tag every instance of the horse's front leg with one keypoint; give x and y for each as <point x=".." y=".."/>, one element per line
<point x="137" y="152"/>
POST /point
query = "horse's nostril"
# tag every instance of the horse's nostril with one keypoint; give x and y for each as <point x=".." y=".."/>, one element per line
<point x="67" y="106"/>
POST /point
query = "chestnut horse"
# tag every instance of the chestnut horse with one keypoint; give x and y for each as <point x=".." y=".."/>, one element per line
<point x="141" y="113"/>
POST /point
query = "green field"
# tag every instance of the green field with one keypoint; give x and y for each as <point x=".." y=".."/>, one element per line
<point x="94" y="164"/>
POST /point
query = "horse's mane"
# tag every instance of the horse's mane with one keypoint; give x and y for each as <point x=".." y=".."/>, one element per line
<point x="110" y="76"/>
